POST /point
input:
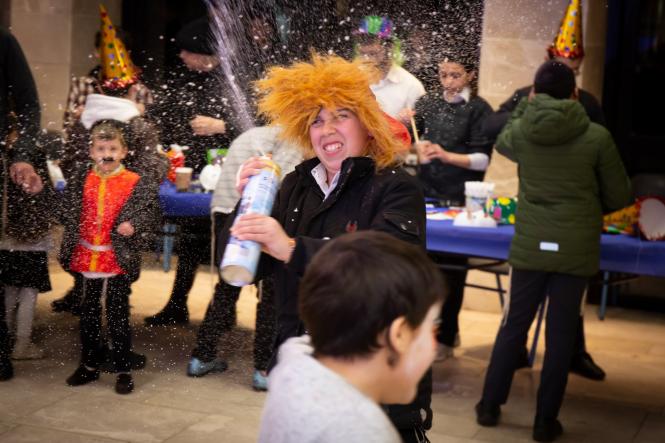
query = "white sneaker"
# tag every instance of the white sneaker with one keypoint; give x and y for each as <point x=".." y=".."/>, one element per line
<point x="443" y="352"/>
<point x="27" y="351"/>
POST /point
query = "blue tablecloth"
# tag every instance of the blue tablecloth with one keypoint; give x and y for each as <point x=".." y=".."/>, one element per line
<point x="183" y="204"/>
<point x="618" y="253"/>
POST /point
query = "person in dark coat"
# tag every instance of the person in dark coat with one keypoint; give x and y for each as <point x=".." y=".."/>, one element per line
<point x="452" y="150"/>
<point x="194" y="111"/>
<point x="582" y="364"/>
<point x="18" y="95"/>
<point x="351" y="182"/>
<point x="570" y="175"/>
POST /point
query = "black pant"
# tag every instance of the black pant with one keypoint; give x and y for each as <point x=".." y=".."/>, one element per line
<point x="220" y="317"/>
<point x="527" y="290"/>
<point x="117" y="317"/>
<point x="455" y="280"/>
<point x="5" y="349"/>
<point x="193" y="249"/>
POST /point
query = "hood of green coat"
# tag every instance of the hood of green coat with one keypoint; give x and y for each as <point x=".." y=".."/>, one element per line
<point x="549" y="121"/>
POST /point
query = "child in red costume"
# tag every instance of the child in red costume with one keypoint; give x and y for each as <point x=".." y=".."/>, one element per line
<point x="111" y="210"/>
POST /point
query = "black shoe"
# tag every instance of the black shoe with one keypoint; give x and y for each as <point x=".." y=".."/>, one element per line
<point x="487" y="415"/>
<point x="68" y="303"/>
<point x="124" y="384"/>
<point x="83" y="376"/>
<point x="6" y="369"/>
<point x="584" y="366"/>
<point x="547" y="429"/>
<point x="136" y="361"/>
<point x="168" y="317"/>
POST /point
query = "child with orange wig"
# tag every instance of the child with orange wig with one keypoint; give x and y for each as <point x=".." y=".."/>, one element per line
<point x="350" y="181"/>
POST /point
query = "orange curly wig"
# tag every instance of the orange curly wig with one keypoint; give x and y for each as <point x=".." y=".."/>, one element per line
<point x="293" y="96"/>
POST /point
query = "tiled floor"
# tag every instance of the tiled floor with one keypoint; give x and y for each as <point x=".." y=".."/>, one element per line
<point x="168" y="406"/>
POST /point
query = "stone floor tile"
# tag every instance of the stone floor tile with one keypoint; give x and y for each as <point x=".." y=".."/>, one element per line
<point x="34" y="434"/>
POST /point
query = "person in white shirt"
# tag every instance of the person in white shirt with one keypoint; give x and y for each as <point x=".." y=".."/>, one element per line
<point x="397" y="90"/>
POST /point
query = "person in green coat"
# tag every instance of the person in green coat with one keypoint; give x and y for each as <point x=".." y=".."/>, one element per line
<point x="570" y="174"/>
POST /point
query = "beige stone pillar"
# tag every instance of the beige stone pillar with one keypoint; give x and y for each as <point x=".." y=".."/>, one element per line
<point x="57" y="37"/>
<point x="515" y="36"/>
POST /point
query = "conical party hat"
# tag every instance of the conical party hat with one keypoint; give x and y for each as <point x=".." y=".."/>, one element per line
<point x="118" y="71"/>
<point x="568" y="42"/>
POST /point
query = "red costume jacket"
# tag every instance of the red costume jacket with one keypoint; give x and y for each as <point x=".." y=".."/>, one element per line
<point x="103" y="198"/>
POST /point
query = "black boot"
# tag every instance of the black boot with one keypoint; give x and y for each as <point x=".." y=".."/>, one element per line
<point x="584" y="366"/>
<point x="83" y="376"/>
<point x="124" y="384"/>
<point x="546" y="429"/>
<point x="170" y="315"/>
<point x="6" y="369"/>
<point x="486" y="414"/>
<point x="69" y="303"/>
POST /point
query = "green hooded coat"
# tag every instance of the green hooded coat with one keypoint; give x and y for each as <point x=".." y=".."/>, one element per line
<point x="570" y="174"/>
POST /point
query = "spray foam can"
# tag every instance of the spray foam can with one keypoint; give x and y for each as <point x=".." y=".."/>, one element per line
<point x="241" y="257"/>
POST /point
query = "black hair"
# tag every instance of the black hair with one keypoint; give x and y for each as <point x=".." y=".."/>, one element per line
<point x="554" y="79"/>
<point x="358" y="284"/>
<point x="196" y="37"/>
<point x="454" y="57"/>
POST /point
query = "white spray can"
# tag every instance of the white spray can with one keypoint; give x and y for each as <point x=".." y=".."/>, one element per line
<point x="241" y="257"/>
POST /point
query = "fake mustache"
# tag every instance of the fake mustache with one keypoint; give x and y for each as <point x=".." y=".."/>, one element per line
<point x="107" y="160"/>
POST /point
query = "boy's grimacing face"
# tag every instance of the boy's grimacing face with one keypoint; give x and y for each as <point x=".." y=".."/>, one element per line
<point x="107" y="154"/>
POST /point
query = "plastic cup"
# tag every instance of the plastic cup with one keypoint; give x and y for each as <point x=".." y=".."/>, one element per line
<point x="183" y="178"/>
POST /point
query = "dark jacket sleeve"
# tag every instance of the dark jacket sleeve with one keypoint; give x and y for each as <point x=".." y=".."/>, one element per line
<point x="615" y="189"/>
<point x="22" y="92"/>
<point x="478" y="140"/>
<point x="504" y="144"/>
<point x="496" y="121"/>
<point x="142" y="210"/>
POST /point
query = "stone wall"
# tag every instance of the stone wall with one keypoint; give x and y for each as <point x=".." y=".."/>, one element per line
<point x="57" y="38"/>
<point x="515" y="36"/>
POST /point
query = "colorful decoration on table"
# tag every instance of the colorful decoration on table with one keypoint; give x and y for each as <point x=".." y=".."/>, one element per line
<point x="651" y="219"/>
<point x="118" y="71"/>
<point x="216" y="156"/>
<point x="502" y="209"/>
<point x="442" y="214"/>
<point x="568" y="42"/>
<point x="622" y="221"/>
<point x="176" y="158"/>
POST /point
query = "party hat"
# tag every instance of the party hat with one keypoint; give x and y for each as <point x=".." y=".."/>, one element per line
<point x="568" y="42"/>
<point x="118" y="71"/>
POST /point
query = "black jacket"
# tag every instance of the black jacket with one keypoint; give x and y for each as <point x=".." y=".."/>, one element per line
<point x="495" y="122"/>
<point x="18" y="94"/>
<point x="184" y="98"/>
<point x="457" y="127"/>
<point x="388" y="201"/>
<point x="141" y="209"/>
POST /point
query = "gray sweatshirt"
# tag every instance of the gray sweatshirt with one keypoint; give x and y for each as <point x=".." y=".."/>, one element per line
<point x="254" y="142"/>
<point x="308" y="402"/>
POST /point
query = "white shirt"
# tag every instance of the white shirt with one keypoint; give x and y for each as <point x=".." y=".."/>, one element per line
<point x="321" y="177"/>
<point x="398" y="90"/>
